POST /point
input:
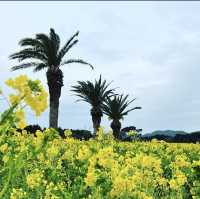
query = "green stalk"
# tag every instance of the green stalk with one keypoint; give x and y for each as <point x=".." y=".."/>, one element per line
<point x="3" y="191"/>
<point x="10" y="111"/>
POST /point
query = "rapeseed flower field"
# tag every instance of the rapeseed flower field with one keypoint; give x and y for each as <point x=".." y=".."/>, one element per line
<point x="50" y="167"/>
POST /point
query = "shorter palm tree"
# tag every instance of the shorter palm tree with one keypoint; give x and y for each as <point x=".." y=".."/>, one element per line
<point x="94" y="94"/>
<point x="115" y="108"/>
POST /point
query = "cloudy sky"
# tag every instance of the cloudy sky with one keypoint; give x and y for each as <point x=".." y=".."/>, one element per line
<point x="151" y="50"/>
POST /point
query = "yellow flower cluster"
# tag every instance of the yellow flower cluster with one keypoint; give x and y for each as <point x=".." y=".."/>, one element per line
<point x="18" y="194"/>
<point x="34" y="179"/>
<point x="28" y="93"/>
<point x="83" y="153"/>
<point x="53" y="151"/>
<point x="91" y="177"/>
<point x="48" y="166"/>
<point x="21" y="117"/>
<point x="32" y="92"/>
<point x="4" y="148"/>
<point x="51" y="188"/>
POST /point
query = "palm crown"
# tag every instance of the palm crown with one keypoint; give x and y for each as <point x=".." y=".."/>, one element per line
<point x="46" y="52"/>
<point x="116" y="108"/>
<point x="93" y="93"/>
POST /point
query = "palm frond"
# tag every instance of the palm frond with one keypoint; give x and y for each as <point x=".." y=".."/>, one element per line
<point x="135" y="108"/>
<point x="55" y="39"/>
<point x="44" y="39"/>
<point x="24" y="66"/>
<point x="29" y="53"/>
<point x="93" y="93"/>
<point x="115" y="107"/>
<point x="40" y="67"/>
<point x="48" y="45"/>
<point x="80" y="61"/>
<point x="31" y="42"/>
<point x="63" y="49"/>
<point x="71" y="45"/>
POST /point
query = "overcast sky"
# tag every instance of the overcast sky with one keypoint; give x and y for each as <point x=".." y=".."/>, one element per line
<point x="151" y="50"/>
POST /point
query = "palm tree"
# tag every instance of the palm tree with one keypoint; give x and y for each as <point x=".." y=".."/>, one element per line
<point x="46" y="52"/>
<point x="115" y="108"/>
<point x="94" y="94"/>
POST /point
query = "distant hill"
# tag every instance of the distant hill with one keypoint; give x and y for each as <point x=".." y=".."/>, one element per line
<point x="169" y="133"/>
<point x="195" y="132"/>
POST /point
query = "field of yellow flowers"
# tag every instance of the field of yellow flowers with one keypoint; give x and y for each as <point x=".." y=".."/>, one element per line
<point x="49" y="167"/>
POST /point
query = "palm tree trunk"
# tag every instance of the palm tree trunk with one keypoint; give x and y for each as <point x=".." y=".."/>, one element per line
<point x="53" y="113"/>
<point x="116" y="127"/>
<point x="96" y="118"/>
<point x="55" y="83"/>
<point x="96" y="124"/>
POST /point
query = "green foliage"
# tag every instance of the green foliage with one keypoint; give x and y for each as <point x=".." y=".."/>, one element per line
<point x="46" y="51"/>
<point x="8" y="117"/>
<point x="34" y="86"/>
<point x="115" y="107"/>
<point x="93" y="93"/>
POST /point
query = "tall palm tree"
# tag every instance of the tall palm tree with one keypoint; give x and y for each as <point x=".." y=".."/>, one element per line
<point x="47" y="54"/>
<point x="115" y="108"/>
<point x="94" y="94"/>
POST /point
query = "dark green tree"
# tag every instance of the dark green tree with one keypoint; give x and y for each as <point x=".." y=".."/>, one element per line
<point x="44" y="52"/>
<point x="115" y="108"/>
<point x="94" y="94"/>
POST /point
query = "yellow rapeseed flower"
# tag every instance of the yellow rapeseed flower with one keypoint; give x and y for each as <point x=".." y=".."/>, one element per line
<point x="91" y="177"/>
<point x="4" y="148"/>
<point x="34" y="179"/>
<point x="17" y="194"/>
